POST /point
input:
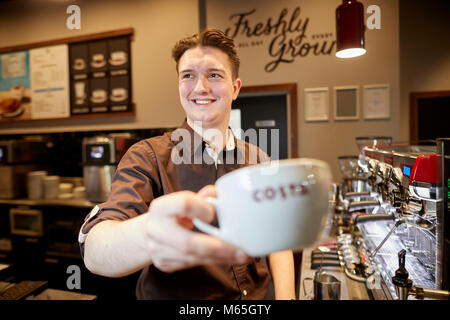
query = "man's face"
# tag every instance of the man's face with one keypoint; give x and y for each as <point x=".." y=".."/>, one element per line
<point x="206" y="86"/>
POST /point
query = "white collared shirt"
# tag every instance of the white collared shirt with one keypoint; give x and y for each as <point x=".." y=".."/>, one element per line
<point x="230" y="145"/>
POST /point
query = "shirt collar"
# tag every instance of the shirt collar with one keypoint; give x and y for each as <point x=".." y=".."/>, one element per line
<point x="230" y="142"/>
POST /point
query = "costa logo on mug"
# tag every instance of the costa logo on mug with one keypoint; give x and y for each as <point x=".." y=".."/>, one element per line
<point x="283" y="192"/>
<point x="264" y="213"/>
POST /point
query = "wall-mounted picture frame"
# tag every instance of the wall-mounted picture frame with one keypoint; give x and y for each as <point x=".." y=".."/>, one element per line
<point x="346" y="102"/>
<point x="377" y="101"/>
<point x="316" y="101"/>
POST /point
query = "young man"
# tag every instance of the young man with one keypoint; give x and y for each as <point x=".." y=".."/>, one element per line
<point x="160" y="185"/>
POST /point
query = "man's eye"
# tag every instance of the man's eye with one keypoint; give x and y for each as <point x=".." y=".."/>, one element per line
<point x="187" y="76"/>
<point x="215" y="75"/>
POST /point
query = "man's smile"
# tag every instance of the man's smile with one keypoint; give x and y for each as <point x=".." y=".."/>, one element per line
<point x="203" y="101"/>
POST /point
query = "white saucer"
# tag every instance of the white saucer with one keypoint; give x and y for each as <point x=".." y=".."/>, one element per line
<point x="100" y="64"/>
<point x="97" y="100"/>
<point x="117" y="62"/>
<point x="118" y="99"/>
<point x="80" y="66"/>
<point x="80" y="101"/>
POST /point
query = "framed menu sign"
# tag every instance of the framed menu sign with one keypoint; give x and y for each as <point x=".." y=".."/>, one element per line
<point x="80" y="76"/>
<point x="49" y="70"/>
<point x="100" y="76"/>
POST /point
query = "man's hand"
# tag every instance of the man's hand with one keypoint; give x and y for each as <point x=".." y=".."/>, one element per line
<point x="172" y="243"/>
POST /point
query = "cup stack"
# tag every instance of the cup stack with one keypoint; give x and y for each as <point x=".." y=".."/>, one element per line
<point x="65" y="191"/>
<point x="79" y="192"/>
<point x="51" y="187"/>
<point x="35" y="184"/>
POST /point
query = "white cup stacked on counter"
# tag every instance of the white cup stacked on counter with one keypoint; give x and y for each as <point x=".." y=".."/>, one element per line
<point x="35" y="185"/>
<point x="65" y="191"/>
<point x="51" y="187"/>
<point x="42" y="186"/>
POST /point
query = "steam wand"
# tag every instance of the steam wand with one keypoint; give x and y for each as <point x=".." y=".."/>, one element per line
<point x="396" y="225"/>
<point x="404" y="286"/>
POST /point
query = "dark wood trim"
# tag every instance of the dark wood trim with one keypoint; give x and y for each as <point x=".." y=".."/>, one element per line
<point x="413" y="110"/>
<point x="81" y="38"/>
<point x="291" y="88"/>
<point x="131" y="113"/>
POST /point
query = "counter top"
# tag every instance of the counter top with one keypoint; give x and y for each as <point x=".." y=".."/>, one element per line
<point x="44" y="202"/>
<point x="350" y="289"/>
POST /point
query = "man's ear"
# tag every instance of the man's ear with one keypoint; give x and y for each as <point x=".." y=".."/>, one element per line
<point x="237" y="84"/>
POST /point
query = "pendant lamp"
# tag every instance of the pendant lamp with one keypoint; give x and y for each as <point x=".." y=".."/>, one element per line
<point x="350" y="29"/>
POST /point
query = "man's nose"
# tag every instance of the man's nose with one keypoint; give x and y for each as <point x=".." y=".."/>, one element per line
<point x="202" y="85"/>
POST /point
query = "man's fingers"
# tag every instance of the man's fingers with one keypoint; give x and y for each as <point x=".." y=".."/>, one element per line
<point x="208" y="191"/>
<point x="208" y="247"/>
<point x="197" y="246"/>
<point x="183" y="204"/>
<point x="169" y="260"/>
<point x="174" y="245"/>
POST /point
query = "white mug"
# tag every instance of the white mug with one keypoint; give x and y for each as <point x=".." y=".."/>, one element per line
<point x="272" y="207"/>
<point x="118" y="57"/>
<point x="98" y="96"/>
<point x="118" y="94"/>
<point x="35" y="184"/>
<point x="80" y="90"/>
<point x="98" y="60"/>
<point x="51" y="187"/>
<point x="79" y="64"/>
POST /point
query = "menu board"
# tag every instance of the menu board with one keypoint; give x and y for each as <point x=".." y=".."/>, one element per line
<point x="58" y="81"/>
<point x="49" y="70"/>
<point x="100" y="76"/>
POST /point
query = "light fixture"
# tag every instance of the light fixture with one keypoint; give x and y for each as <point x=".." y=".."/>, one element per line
<point x="350" y="29"/>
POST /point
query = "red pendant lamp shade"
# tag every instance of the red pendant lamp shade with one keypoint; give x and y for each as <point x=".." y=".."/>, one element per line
<point x="350" y="29"/>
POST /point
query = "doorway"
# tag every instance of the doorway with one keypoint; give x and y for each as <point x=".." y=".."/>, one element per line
<point x="429" y="114"/>
<point x="267" y="115"/>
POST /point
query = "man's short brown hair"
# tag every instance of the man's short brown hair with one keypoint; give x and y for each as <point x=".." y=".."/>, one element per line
<point x="209" y="38"/>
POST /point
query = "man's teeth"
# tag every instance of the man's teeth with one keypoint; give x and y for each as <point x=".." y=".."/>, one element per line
<point x="203" y="101"/>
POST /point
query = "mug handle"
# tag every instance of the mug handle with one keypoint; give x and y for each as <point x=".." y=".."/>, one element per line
<point x="206" y="227"/>
<point x="307" y="295"/>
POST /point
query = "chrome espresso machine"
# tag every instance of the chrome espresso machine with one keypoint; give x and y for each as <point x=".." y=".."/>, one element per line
<point x="393" y="229"/>
<point x="101" y="154"/>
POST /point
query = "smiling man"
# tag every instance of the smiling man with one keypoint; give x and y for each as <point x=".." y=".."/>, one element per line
<point x="207" y="86"/>
<point x="146" y="223"/>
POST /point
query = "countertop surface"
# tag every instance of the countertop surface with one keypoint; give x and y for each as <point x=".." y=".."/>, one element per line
<point x="350" y="289"/>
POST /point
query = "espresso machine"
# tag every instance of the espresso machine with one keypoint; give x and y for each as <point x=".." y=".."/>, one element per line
<point x="354" y="194"/>
<point x="401" y="245"/>
<point x="100" y="155"/>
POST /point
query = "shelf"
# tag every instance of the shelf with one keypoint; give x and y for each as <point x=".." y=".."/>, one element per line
<point x="44" y="202"/>
<point x="78" y="116"/>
